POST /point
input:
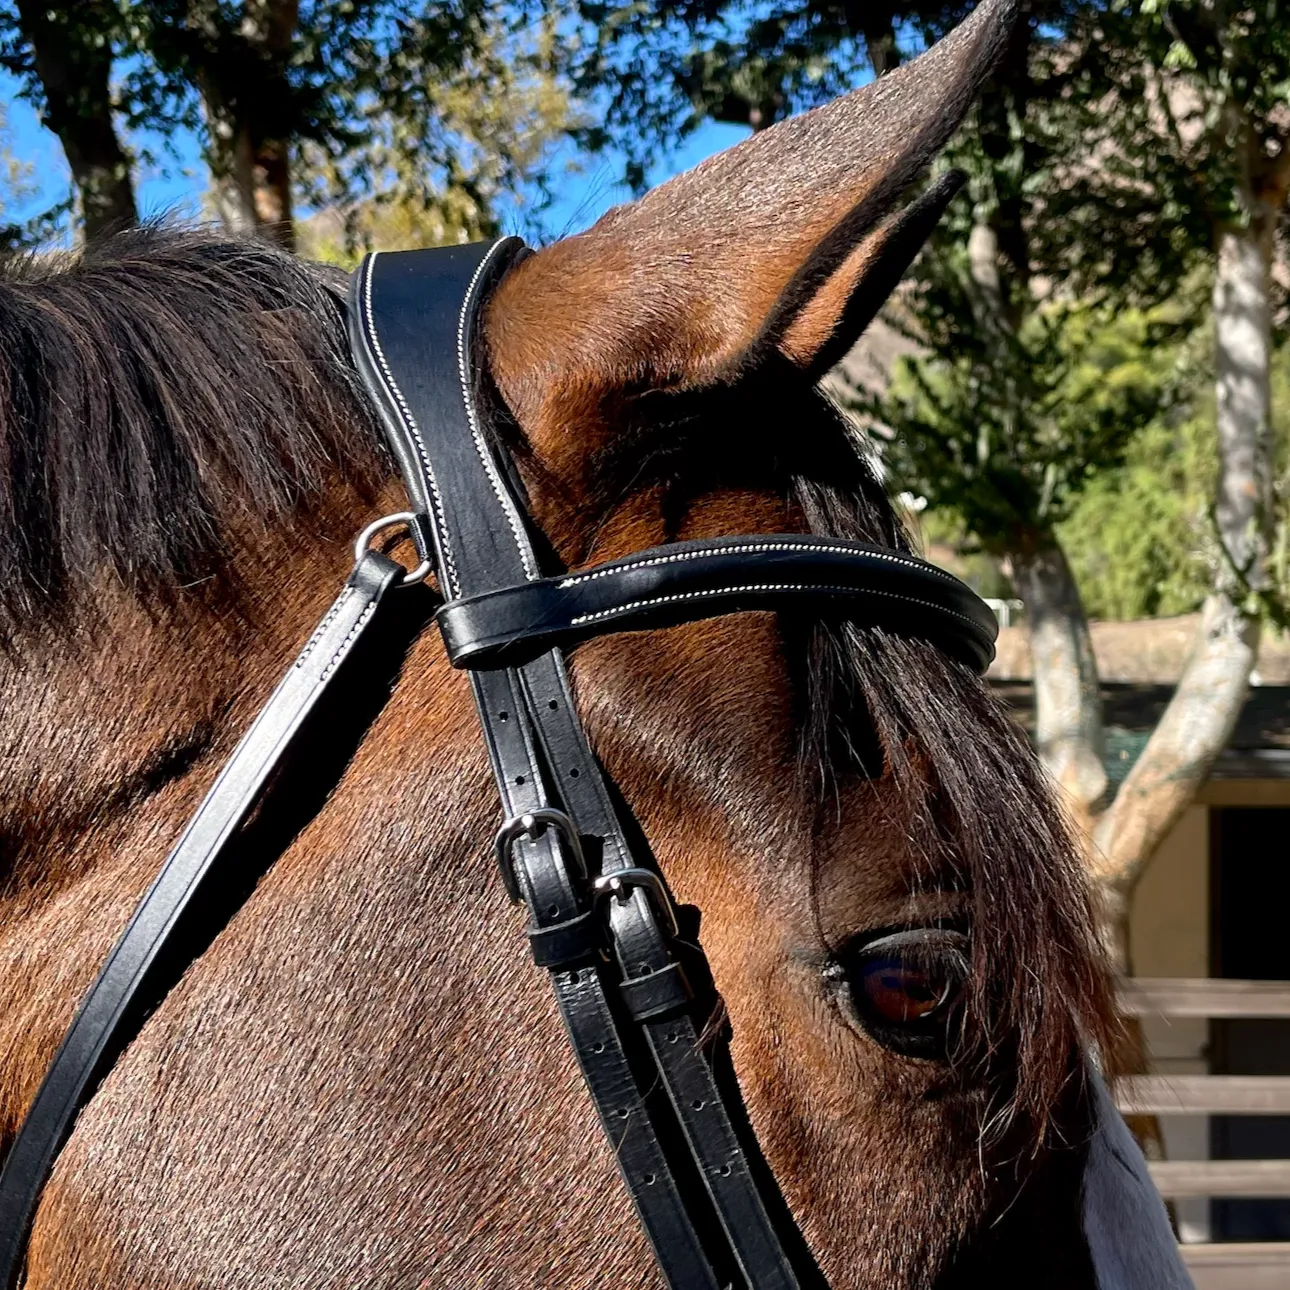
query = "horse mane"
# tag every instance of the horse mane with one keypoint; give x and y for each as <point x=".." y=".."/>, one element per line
<point x="167" y="384"/>
<point x="157" y="388"/>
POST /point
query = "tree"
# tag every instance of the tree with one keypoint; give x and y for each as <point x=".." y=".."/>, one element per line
<point x="348" y="99"/>
<point x="1004" y="428"/>
<point x="493" y="124"/>
<point x="1024" y="393"/>
<point x="1183" y="105"/>
<point x="333" y="101"/>
<point x="245" y="63"/>
<point x="64" y="55"/>
<point x="738" y="62"/>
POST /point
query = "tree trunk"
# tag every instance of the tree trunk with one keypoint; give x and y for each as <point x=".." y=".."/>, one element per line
<point x="1204" y="709"/>
<point x="1068" y="700"/>
<point x="1243" y="339"/>
<point x="247" y="101"/>
<point x="228" y="154"/>
<point x="73" y="57"/>
<point x="1177" y="759"/>
<point x="250" y="178"/>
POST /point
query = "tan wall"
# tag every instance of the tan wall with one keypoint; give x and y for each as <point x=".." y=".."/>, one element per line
<point x="1169" y="924"/>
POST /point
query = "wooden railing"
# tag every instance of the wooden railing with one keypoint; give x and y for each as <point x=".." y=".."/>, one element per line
<point x="1253" y="1266"/>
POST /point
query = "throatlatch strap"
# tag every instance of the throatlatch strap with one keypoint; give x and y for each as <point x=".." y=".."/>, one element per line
<point x="137" y="969"/>
<point x="482" y="544"/>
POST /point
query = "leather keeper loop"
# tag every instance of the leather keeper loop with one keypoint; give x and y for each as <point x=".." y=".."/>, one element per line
<point x="563" y="943"/>
<point x="656" y="995"/>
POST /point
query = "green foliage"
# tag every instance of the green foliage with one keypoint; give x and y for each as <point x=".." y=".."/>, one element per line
<point x="431" y="134"/>
<point x="1139" y="539"/>
<point x="429" y="108"/>
<point x="740" y="61"/>
<point x="1006" y="428"/>
<point x="499" y="115"/>
<point x="1137" y="533"/>
<point x="1180" y="110"/>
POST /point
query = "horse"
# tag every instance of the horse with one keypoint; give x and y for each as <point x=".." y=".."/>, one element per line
<point x="360" y="1080"/>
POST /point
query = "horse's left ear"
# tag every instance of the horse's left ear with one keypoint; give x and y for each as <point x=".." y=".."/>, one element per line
<point x="783" y="245"/>
<point x="826" y="308"/>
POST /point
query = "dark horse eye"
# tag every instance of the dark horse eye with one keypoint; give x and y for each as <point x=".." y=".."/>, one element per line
<point x="906" y="988"/>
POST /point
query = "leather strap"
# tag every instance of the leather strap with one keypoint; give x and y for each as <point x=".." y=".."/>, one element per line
<point x="703" y="579"/>
<point x="530" y="726"/>
<point x="412" y="321"/>
<point x="767" y="1249"/>
<point x="401" y="332"/>
<point x="138" y="972"/>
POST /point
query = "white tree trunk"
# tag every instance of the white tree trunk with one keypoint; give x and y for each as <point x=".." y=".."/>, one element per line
<point x="1178" y="757"/>
<point x="1243" y="358"/>
<point x="1068" y="700"/>
<point x="1204" y="709"/>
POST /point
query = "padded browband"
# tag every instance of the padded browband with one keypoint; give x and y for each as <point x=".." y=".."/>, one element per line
<point x="686" y="581"/>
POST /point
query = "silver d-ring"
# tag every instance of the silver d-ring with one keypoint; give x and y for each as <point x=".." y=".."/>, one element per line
<point x="404" y="519"/>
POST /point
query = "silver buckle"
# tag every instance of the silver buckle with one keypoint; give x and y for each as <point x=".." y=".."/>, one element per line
<point x="532" y="824"/>
<point x="401" y="519"/>
<point x="622" y="882"/>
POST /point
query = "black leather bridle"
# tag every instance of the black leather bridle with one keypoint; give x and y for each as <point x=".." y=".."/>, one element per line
<point x="602" y="922"/>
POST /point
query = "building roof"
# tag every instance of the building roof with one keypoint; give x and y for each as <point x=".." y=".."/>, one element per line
<point x="1259" y="747"/>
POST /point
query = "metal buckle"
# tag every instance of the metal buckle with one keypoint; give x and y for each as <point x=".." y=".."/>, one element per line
<point x="531" y="825"/>
<point x="622" y="882"/>
<point x="399" y="519"/>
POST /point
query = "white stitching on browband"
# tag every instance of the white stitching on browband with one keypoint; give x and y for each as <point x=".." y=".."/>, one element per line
<point x="762" y="586"/>
<point x="818" y="548"/>
<point x="401" y="406"/>
<point x="486" y="458"/>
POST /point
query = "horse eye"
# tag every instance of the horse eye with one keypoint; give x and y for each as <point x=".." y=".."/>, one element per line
<point x="901" y="991"/>
<point x="906" y="988"/>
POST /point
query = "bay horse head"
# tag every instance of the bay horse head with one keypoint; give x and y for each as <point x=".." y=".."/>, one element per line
<point x="360" y="1080"/>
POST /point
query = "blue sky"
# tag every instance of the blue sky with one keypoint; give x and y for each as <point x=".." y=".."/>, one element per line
<point x="174" y="180"/>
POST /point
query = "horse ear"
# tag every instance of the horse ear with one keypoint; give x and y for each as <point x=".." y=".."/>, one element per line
<point x="785" y="243"/>
<point x="817" y="324"/>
